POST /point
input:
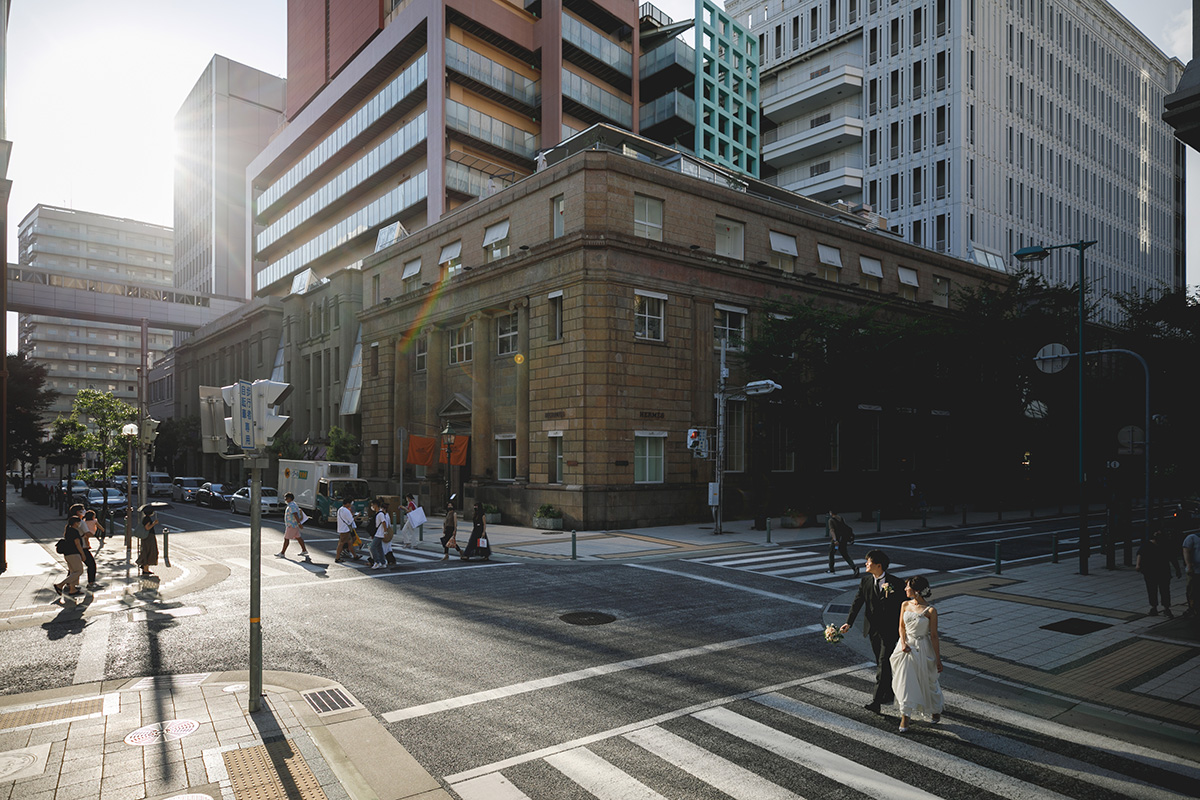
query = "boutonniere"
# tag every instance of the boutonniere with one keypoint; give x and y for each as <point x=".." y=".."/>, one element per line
<point x="887" y="589"/>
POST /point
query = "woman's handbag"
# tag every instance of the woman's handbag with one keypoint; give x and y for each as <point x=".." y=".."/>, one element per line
<point x="483" y="541"/>
<point x="62" y="546"/>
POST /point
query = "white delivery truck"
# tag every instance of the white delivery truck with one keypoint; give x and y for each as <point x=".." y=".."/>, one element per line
<point x="319" y="487"/>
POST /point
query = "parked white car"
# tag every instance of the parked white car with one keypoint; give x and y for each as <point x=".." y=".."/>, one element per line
<point x="183" y="490"/>
<point x="269" y="501"/>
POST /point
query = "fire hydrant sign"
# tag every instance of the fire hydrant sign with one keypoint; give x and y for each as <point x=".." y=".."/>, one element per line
<point x="245" y="424"/>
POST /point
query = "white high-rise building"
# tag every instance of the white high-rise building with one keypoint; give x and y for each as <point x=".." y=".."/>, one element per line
<point x="977" y="127"/>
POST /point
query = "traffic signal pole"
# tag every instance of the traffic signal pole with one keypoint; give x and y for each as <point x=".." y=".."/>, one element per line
<point x="256" y="656"/>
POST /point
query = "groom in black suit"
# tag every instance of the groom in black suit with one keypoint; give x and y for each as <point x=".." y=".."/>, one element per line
<point x="882" y="594"/>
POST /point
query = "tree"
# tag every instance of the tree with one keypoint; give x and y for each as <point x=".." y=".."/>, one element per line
<point x="28" y="400"/>
<point x="343" y="446"/>
<point x="286" y="447"/>
<point x="96" y="420"/>
<point x="175" y="437"/>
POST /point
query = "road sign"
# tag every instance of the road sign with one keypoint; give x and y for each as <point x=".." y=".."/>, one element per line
<point x="240" y="397"/>
<point x="1053" y="358"/>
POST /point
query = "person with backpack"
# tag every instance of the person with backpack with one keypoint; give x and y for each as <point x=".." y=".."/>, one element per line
<point x="841" y="536"/>
<point x="70" y="547"/>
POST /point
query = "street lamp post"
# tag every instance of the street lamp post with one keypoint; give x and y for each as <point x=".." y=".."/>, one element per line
<point x="723" y="395"/>
<point x="130" y="432"/>
<point x="1040" y="253"/>
<point x="448" y="439"/>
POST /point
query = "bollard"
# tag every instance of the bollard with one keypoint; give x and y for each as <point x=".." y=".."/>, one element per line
<point x="878" y="521"/>
<point x="1110" y="549"/>
<point x="572" y="545"/>
<point x="1054" y="548"/>
<point x="924" y="517"/>
<point x="997" y="558"/>
<point x="964" y="522"/>
<point x="421" y="532"/>
<point x="768" y="530"/>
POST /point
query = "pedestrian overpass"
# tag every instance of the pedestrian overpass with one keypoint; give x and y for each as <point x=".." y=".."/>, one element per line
<point x="72" y="296"/>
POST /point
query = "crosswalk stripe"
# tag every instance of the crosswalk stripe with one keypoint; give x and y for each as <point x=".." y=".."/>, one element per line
<point x="950" y="765"/>
<point x="489" y="787"/>
<point x="798" y="566"/>
<point x="1109" y="780"/>
<point x="850" y="773"/>
<point x="737" y="782"/>
<point x="599" y="777"/>
<point x="265" y="571"/>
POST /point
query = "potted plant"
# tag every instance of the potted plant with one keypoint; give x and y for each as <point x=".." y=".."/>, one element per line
<point x="547" y="518"/>
<point x="491" y="514"/>
<point x="792" y="519"/>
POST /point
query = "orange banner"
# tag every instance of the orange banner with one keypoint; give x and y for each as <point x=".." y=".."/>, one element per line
<point x="421" y="449"/>
<point x="458" y="452"/>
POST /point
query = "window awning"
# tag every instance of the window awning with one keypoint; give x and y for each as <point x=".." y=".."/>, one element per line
<point x="494" y="233"/>
<point x="411" y="268"/>
<point x="783" y="243"/>
<point x="829" y="255"/>
<point x="450" y="252"/>
<point x="908" y="276"/>
<point x="870" y="266"/>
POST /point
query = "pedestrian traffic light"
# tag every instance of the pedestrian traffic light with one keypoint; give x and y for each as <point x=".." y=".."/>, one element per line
<point x="239" y="427"/>
<point x="694" y="440"/>
<point x="267" y="423"/>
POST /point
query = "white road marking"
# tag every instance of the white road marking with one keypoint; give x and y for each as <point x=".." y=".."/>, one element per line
<point x="93" y="653"/>
<point x="584" y="741"/>
<point x="599" y="777"/>
<point x="728" y="585"/>
<point x="551" y="681"/>
<point x="385" y="574"/>
<point x="737" y="782"/>
<point x="264" y="570"/>
<point x="489" y="787"/>
<point x="849" y="773"/>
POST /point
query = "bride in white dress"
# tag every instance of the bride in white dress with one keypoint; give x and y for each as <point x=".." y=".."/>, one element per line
<point x="917" y="659"/>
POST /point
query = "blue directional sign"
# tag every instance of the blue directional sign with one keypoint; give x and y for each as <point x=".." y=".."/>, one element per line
<point x="245" y="417"/>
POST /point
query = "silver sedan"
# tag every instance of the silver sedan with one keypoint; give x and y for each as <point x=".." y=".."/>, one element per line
<point x="239" y="502"/>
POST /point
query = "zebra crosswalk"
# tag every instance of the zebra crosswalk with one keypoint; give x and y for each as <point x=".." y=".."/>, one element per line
<point x="801" y="566"/>
<point x="810" y="738"/>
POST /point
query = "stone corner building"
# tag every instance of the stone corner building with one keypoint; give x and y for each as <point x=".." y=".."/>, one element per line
<point x="570" y="326"/>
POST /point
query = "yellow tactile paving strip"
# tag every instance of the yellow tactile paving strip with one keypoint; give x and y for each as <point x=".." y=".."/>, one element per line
<point x="271" y="771"/>
<point x="33" y="716"/>
<point x="1097" y="681"/>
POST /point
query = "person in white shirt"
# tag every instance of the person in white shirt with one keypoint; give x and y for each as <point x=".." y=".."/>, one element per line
<point x="293" y="524"/>
<point x="408" y="533"/>
<point x="345" y="529"/>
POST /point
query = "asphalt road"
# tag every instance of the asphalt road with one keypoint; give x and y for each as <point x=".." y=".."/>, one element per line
<point x="703" y="680"/>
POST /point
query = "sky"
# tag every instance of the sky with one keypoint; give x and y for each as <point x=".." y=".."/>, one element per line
<point x="93" y="88"/>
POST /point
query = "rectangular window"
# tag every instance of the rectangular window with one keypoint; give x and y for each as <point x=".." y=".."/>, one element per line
<point x="648" y="217"/>
<point x="461" y="341"/>
<point x="783" y="448"/>
<point x="554" y="326"/>
<point x="829" y="262"/>
<point x="729" y="326"/>
<point x="506" y="334"/>
<point x="506" y="457"/>
<point x="918" y="186"/>
<point x="649" y="316"/>
<point x="557" y="207"/>
<point x="908" y="282"/>
<point x="648" y="459"/>
<point x="941" y="291"/>
<point x="411" y="277"/>
<point x="730" y="238"/>
<point x="872" y="274"/>
<point x="495" y="242"/>
<point x="451" y="258"/>
<point x="555" y="466"/>
<point x="421" y="354"/>
<point x="918" y="133"/>
<point x="783" y="251"/>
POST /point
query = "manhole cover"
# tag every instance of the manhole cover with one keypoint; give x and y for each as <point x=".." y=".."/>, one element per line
<point x="587" y="618"/>
<point x="12" y="763"/>
<point x="162" y="732"/>
<point x="1076" y="626"/>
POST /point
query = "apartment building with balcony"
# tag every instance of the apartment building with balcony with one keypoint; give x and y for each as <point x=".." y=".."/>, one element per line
<point x="98" y="254"/>
<point x="978" y="127"/>
<point x="401" y="112"/>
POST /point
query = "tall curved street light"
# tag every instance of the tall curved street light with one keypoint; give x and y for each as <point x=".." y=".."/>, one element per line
<point x="1041" y="253"/>
<point x="448" y="440"/>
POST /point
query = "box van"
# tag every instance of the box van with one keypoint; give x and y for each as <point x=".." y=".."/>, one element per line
<point x="158" y="484"/>
<point x="184" y="489"/>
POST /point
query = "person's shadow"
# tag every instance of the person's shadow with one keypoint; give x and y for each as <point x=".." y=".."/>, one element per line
<point x="69" y="620"/>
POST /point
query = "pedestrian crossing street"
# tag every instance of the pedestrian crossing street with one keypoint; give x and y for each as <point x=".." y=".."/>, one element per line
<point x="802" y="566"/>
<point x="811" y="738"/>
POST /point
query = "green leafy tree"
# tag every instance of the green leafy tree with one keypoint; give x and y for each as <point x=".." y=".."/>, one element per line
<point x="285" y="446"/>
<point x="98" y="418"/>
<point x="176" y="436"/>
<point x="343" y="446"/>
<point x="28" y="400"/>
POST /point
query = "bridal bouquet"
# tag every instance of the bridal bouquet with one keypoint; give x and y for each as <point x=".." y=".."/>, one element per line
<point x="833" y="635"/>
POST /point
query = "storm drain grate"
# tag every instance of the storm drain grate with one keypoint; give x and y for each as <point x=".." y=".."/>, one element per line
<point x="1076" y="626"/>
<point x="34" y="716"/>
<point x="328" y="701"/>
<point x="271" y="771"/>
<point x="587" y="618"/>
